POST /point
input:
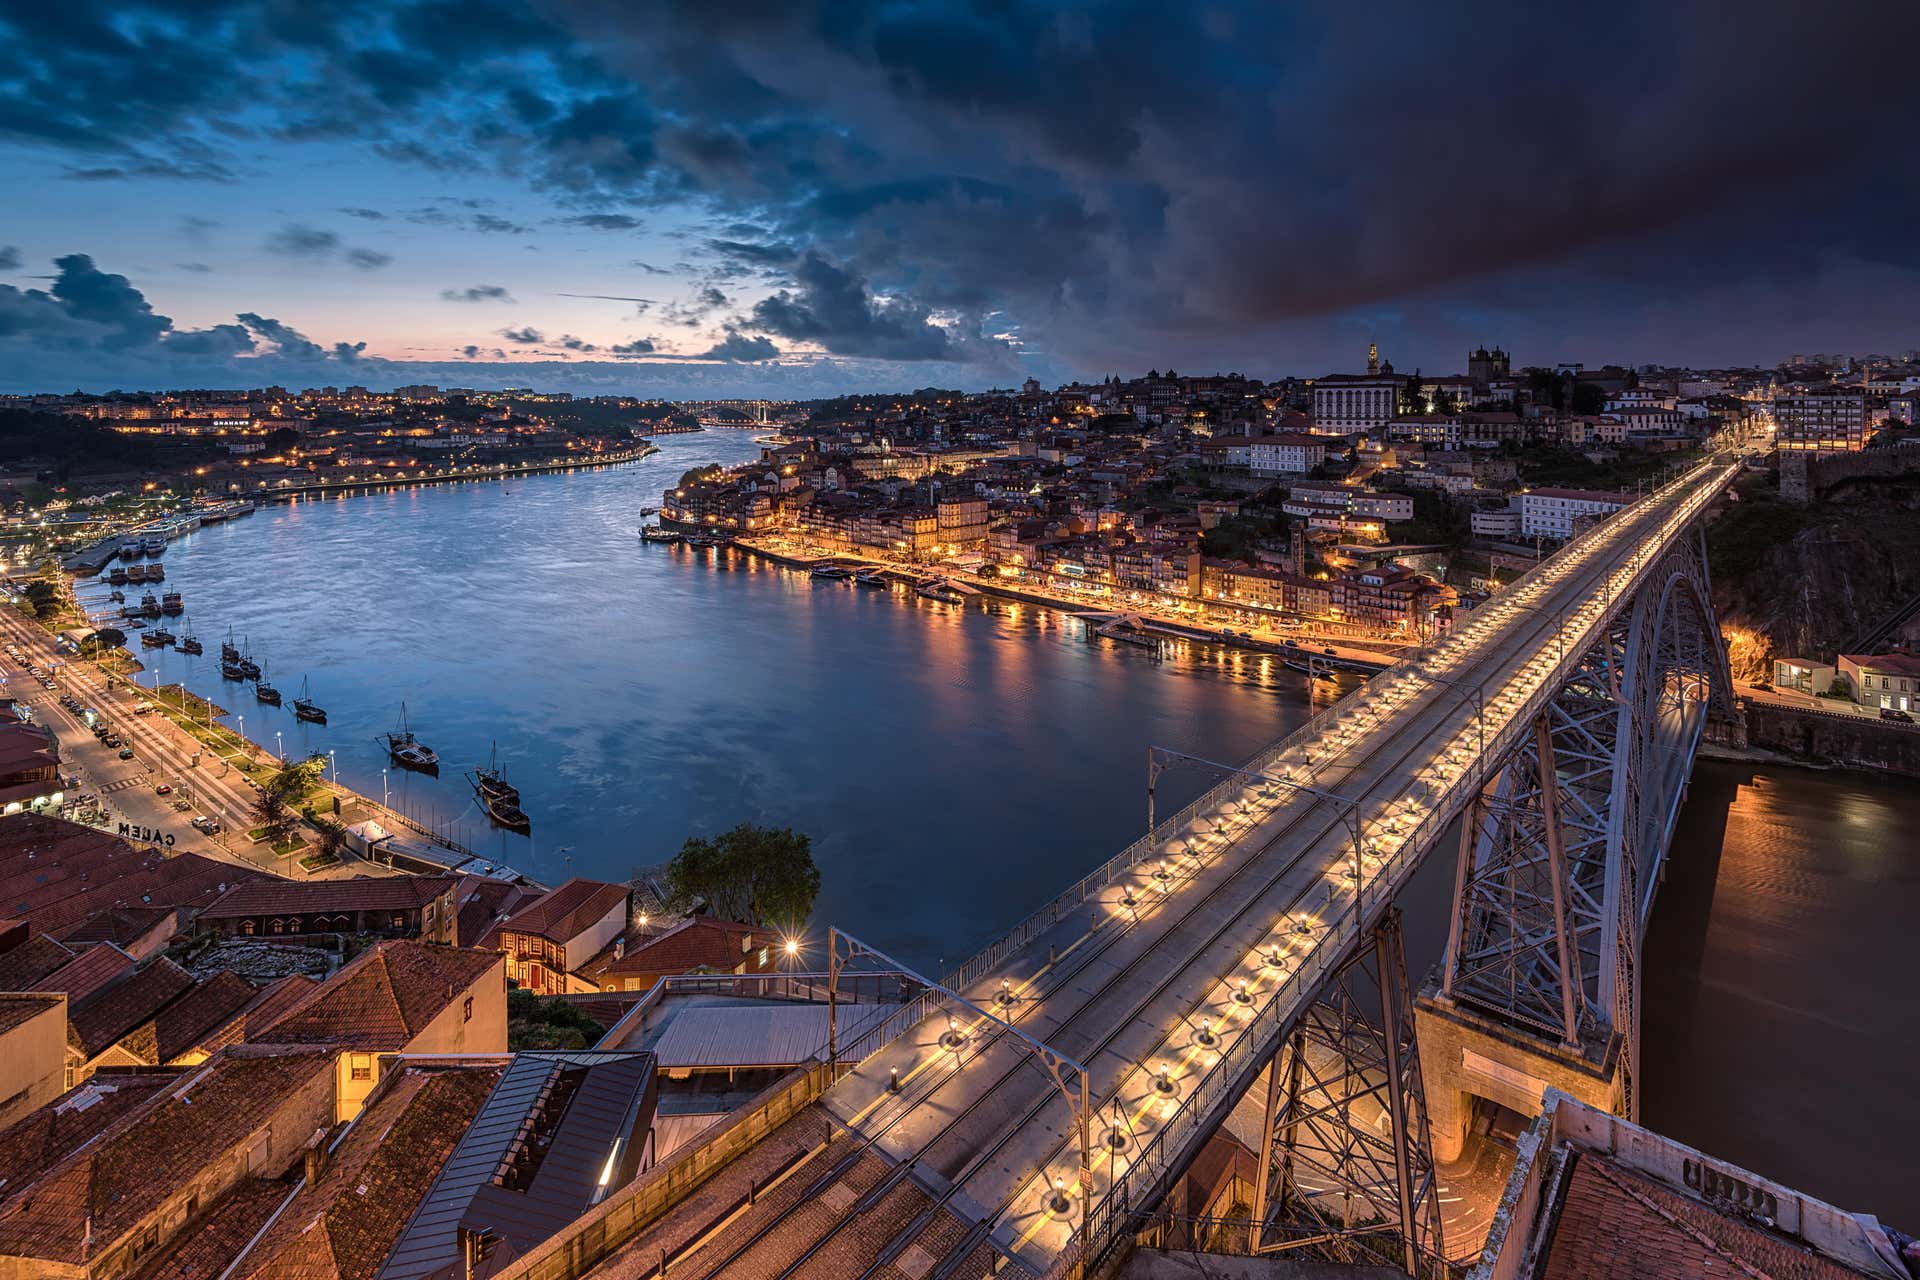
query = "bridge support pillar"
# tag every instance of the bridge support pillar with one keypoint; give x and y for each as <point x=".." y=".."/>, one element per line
<point x="1465" y="1055"/>
<point x="1346" y="1173"/>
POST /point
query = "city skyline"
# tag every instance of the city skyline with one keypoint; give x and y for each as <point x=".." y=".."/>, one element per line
<point x="794" y="203"/>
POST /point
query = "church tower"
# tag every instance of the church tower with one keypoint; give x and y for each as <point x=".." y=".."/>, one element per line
<point x="1373" y="357"/>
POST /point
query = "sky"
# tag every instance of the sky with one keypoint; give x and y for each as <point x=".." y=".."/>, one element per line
<point x="790" y="199"/>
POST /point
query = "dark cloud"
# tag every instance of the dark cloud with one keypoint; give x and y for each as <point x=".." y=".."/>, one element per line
<point x="605" y="221"/>
<point x="297" y="240"/>
<point x="177" y="170"/>
<point x="526" y="336"/>
<point x="197" y="268"/>
<point x="572" y="343"/>
<point x="833" y="308"/>
<point x="95" y="327"/>
<point x="311" y="244"/>
<point x="9" y="258"/>
<point x="636" y="347"/>
<point x="478" y="293"/>
<point x="737" y="347"/>
<point x="607" y="297"/>
<point x="369" y="215"/>
<point x="1115" y="182"/>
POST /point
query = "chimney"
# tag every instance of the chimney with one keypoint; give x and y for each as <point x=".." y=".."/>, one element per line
<point x="315" y="1157"/>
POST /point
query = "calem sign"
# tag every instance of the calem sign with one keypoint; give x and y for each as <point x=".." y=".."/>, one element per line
<point x="146" y="835"/>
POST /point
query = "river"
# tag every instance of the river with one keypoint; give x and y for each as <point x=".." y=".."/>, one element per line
<point x="955" y="766"/>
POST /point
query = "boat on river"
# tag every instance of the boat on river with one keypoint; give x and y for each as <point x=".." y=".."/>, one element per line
<point x="939" y="590"/>
<point x="500" y="798"/>
<point x="408" y="751"/>
<point x="264" y="692"/>
<point x="831" y="572"/>
<point x="872" y="578"/>
<point x="305" y="708"/>
<point x="172" y="604"/>
<point x="654" y="533"/>
<point x="190" y="643"/>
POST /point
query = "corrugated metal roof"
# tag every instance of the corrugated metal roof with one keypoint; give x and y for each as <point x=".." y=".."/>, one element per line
<point x="613" y="1098"/>
<point x="755" y="1035"/>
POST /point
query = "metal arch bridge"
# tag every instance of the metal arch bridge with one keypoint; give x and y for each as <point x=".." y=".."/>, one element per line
<point x="1040" y="1100"/>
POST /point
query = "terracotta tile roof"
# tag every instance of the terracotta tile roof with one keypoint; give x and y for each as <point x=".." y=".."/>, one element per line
<point x="562" y="915"/>
<point x="483" y="900"/>
<point x="58" y="873"/>
<point x="19" y="1007"/>
<point x="269" y="1002"/>
<point x="120" y="925"/>
<point x="205" y="1249"/>
<point x="1615" y="1225"/>
<point x="210" y="1005"/>
<point x="384" y="998"/>
<point x="111" y="1012"/>
<point x="305" y="897"/>
<point x="31" y="961"/>
<point x="38" y="1140"/>
<point x="343" y="1227"/>
<point x="1901" y="664"/>
<point x="100" y="964"/>
<point x="111" y="1183"/>
<point x="695" y="942"/>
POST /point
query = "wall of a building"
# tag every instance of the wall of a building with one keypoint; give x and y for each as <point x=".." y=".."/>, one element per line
<point x="33" y="1061"/>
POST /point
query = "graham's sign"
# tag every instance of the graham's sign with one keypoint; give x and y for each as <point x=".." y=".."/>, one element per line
<point x="146" y="835"/>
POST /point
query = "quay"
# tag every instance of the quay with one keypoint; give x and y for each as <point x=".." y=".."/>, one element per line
<point x="1347" y="656"/>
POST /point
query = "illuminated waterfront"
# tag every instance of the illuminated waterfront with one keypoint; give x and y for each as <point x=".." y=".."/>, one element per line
<point x="954" y="765"/>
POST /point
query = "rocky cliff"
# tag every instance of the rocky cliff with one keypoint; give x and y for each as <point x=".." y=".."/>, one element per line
<point x="1807" y="581"/>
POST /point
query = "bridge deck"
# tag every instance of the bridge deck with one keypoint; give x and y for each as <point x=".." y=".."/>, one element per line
<point x="1165" y="984"/>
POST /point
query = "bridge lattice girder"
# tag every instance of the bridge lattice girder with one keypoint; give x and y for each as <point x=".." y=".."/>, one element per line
<point x="1555" y="881"/>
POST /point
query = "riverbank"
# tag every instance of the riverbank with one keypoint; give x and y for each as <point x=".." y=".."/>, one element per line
<point x="1334" y="652"/>
<point x="505" y="471"/>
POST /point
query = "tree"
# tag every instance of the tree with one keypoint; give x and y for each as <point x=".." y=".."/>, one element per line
<point x="762" y="875"/>
<point x="698" y="474"/>
<point x="332" y="838"/>
<point x="273" y="814"/>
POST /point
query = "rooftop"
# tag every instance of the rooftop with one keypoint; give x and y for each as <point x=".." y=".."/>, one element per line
<point x="95" y="1192"/>
<point x="383" y="999"/>
<point x="344" y="1225"/>
<point x="570" y="909"/>
<point x="97" y="1022"/>
<point x="306" y="897"/>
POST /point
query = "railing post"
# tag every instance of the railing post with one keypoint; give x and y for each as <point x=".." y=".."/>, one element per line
<point x="833" y="999"/>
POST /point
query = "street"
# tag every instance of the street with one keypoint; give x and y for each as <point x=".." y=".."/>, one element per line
<point x="163" y="754"/>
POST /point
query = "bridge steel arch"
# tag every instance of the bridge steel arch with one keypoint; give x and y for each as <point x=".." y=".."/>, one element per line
<point x="1560" y="857"/>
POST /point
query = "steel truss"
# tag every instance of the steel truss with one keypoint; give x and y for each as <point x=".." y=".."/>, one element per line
<point x="1346" y="1170"/>
<point x="1561" y="852"/>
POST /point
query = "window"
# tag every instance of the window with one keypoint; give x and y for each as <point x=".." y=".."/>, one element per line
<point x="277" y="926"/>
<point x="466" y="1010"/>
<point x="399" y="921"/>
<point x="246" y="927"/>
<point x="360" y="1066"/>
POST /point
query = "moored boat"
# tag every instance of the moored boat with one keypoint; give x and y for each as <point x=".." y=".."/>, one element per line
<point x="305" y="708"/>
<point x="264" y="692"/>
<point x="872" y="578"/>
<point x="408" y="751"/>
<point x="831" y="572"/>
<point x="654" y="533"/>
<point x="172" y="604"/>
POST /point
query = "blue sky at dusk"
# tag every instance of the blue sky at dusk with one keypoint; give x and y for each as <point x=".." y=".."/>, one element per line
<point x="792" y="199"/>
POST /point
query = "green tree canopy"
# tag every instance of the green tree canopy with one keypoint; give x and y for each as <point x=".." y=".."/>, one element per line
<point x="762" y="875"/>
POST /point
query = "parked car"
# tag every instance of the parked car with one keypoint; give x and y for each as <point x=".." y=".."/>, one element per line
<point x="207" y="826"/>
<point x="164" y="789"/>
<point x="1894" y="713"/>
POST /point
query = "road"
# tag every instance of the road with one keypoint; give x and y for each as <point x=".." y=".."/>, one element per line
<point x="163" y="753"/>
<point x="1155" y="984"/>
